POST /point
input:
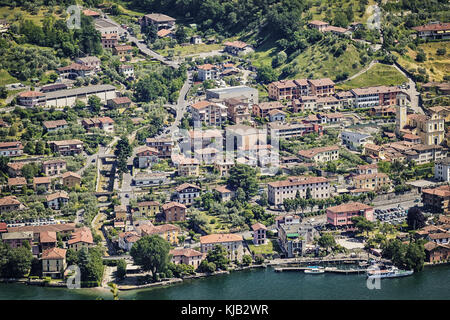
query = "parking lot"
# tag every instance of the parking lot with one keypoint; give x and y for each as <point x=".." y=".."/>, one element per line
<point x="32" y="222"/>
<point x="395" y="215"/>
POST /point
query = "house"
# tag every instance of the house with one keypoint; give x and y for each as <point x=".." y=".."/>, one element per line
<point x="165" y="33"/>
<point x="163" y="145"/>
<point x="200" y="139"/>
<point x="126" y="70"/>
<point x="57" y="200"/>
<point x="233" y="92"/>
<point x="292" y="130"/>
<point x="383" y="111"/>
<point x="330" y="118"/>
<point x="238" y="110"/>
<point x="91" y="13"/>
<point x="127" y="240"/>
<point x="119" y="103"/>
<point x="146" y="156"/>
<point x="259" y="234"/>
<point x="367" y="168"/>
<point x="319" y="25"/>
<point x="320" y="154"/>
<point x="159" y="20"/>
<point x="286" y="219"/>
<point x="278" y="191"/>
<point x="207" y="155"/>
<point x="277" y="115"/>
<point x="54" y="125"/>
<point x="433" y="30"/>
<point x="412" y="138"/>
<point x="11" y="149"/>
<point x="89" y="61"/>
<point x="149" y="207"/>
<point x="81" y="238"/>
<point x="341" y="215"/>
<point x="422" y="154"/>
<point x="237" y="48"/>
<point x="67" y="147"/>
<point x="262" y="109"/>
<point x="104" y="123"/>
<point x="10" y="203"/>
<point x="373" y="181"/>
<point x="15" y="168"/>
<point x="70" y="179"/>
<point x="17" y="183"/>
<point x="288" y="89"/>
<point x="186" y="193"/>
<point x="207" y="72"/>
<point x="47" y="240"/>
<point x="75" y="70"/>
<point x="436" y="253"/>
<point x="54" y="87"/>
<point x="210" y="113"/>
<point x="150" y="178"/>
<point x="187" y="256"/>
<point x="188" y="167"/>
<point x="437" y="199"/>
<point x="321" y="87"/>
<point x="223" y="167"/>
<point x="16" y="239"/>
<point x="120" y="212"/>
<point x="122" y="50"/>
<point x="346" y="99"/>
<point x="224" y="193"/>
<point x="31" y="99"/>
<point x="294" y="238"/>
<point x="233" y="243"/>
<point x="168" y="232"/>
<point x="369" y="97"/>
<point x="442" y="170"/>
<point x="42" y="182"/>
<point x="53" y="262"/>
<point x="174" y="211"/>
<point x="196" y="39"/>
<point x="439" y="237"/>
<point x="109" y="41"/>
<point x="53" y="167"/>
<point x="355" y="140"/>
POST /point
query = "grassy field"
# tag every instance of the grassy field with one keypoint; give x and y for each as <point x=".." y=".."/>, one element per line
<point x="436" y="66"/>
<point x="270" y="247"/>
<point x="379" y="74"/>
<point x="191" y="49"/>
<point x="9" y="14"/>
<point x="6" y="78"/>
<point x="319" y="9"/>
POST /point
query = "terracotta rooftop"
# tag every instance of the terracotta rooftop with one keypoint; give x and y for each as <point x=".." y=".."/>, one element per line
<point x="219" y="238"/>
<point x="258" y="226"/>
<point x="70" y="174"/>
<point x="187" y="252"/>
<point x="54" y="124"/>
<point x="147" y="203"/>
<point x="54" y="253"/>
<point x="47" y="237"/>
<point x="236" y="44"/>
<point x="9" y="200"/>
<point x="163" y="33"/>
<point x="172" y="204"/>
<point x="296" y="181"/>
<point x="310" y="153"/>
<point x="83" y="234"/>
<point x="433" y="27"/>
<point x="19" y="181"/>
<point x="322" y="82"/>
<point x="31" y="94"/>
<point x="349" y="207"/>
<point x="185" y="186"/>
<point x="121" y="100"/>
<point x="57" y="195"/>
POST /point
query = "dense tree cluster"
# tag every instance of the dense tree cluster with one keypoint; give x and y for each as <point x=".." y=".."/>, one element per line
<point x="15" y="262"/>
<point x="405" y="256"/>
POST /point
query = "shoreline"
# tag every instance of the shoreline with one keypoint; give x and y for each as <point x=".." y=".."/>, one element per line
<point x="167" y="283"/>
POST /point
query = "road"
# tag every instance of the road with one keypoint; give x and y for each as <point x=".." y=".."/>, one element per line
<point x="412" y="92"/>
<point x="142" y="46"/>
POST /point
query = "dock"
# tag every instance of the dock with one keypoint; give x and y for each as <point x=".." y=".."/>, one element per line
<point x="327" y="269"/>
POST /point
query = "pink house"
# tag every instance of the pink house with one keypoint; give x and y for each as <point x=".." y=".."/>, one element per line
<point x="187" y="256"/>
<point x="342" y="215"/>
<point x="259" y="233"/>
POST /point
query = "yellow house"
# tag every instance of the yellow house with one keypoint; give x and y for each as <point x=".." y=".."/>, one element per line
<point x="53" y="262"/>
<point x="149" y="208"/>
<point x="168" y="232"/>
<point x="372" y="181"/>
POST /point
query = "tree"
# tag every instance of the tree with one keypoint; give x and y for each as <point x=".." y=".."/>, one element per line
<point x="247" y="259"/>
<point x="90" y="263"/>
<point x="218" y="255"/>
<point x="123" y="151"/>
<point x="415" y="218"/>
<point x="326" y="241"/>
<point x="243" y="176"/>
<point x="267" y="74"/>
<point x="17" y="262"/>
<point x="95" y="103"/>
<point x="121" y="268"/>
<point x="362" y="224"/>
<point x="415" y="256"/>
<point x="421" y="56"/>
<point x="181" y="34"/>
<point x="151" y="253"/>
<point x="207" y="267"/>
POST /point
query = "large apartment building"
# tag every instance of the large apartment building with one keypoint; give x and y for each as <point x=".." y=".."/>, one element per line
<point x="341" y="215"/>
<point x="278" y="191"/>
<point x="372" y="181"/>
<point x="292" y="130"/>
<point x="163" y="145"/>
<point x="67" y="147"/>
<point x="232" y="242"/>
<point x="294" y="89"/>
<point x="210" y="113"/>
<point x="377" y="96"/>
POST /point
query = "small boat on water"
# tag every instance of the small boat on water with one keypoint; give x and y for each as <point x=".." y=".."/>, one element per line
<point x="392" y="272"/>
<point x="315" y="270"/>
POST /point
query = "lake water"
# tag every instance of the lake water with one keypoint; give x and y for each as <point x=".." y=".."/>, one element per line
<point x="432" y="283"/>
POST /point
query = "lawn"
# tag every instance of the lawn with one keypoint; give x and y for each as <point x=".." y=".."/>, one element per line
<point x="436" y="66"/>
<point x="379" y="74"/>
<point x="191" y="49"/>
<point x="319" y="9"/>
<point x="270" y="247"/>
<point x="9" y="13"/>
<point x="6" y="78"/>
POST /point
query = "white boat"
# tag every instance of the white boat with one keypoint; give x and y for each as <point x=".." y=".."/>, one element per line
<point x="392" y="272"/>
<point x="315" y="270"/>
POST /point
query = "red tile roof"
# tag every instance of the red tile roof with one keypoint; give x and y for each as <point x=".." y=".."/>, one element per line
<point x="54" y="253"/>
<point x="349" y="207"/>
<point x="218" y="238"/>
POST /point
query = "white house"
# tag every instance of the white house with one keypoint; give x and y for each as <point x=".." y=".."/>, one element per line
<point x="354" y="140"/>
<point x="442" y="170"/>
<point x="127" y="71"/>
<point x="150" y="179"/>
